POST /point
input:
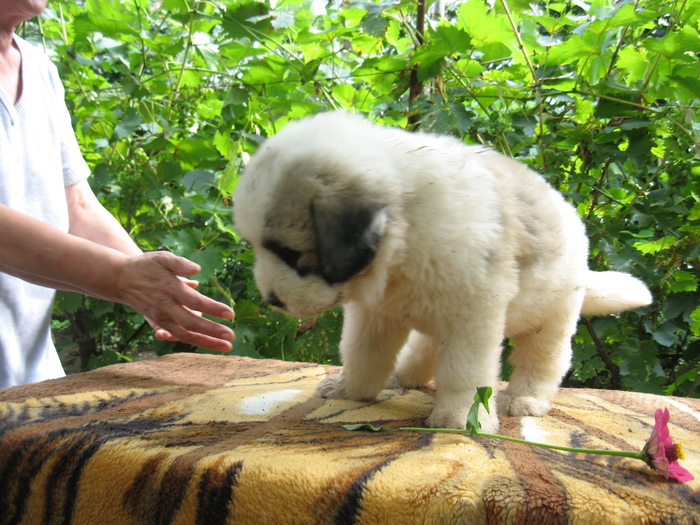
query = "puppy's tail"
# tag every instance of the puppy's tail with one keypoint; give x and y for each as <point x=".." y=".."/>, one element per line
<point x="613" y="292"/>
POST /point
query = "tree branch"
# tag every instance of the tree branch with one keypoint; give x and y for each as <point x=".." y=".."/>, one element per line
<point x="415" y="85"/>
<point x="615" y="377"/>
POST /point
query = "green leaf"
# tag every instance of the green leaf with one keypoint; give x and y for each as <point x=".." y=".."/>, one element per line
<point x="110" y="18"/>
<point x="567" y="52"/>
<point x="210" y="259"/>
<point x="344" y="94"/>
<point x="198" y="181"/>
<point x="430" y="63"/>
<point x="243" y="20"/>
<point x="482" y="25"/>
<point x="178" y="6"/>
<point x="353" y="16"/>
<point x="690" y="84"/>
<point x="69" y="302"/>
<point x="282" y="19"/>
<point x="633" y="62"/>
<point x="108" y="357"/>
<point x="675" y="44"/>
<point x="684" y="282"/>
<point x="242" y="346"/>
<point x="223" y="144"/>
<point x="615" y="108"/>
<point x="450" y="39"/>
<point x="374" y="23"/>
<point x="473" y="425"/>
<point x="628" y="15"/>
<point x="184" y="242"/>
<point x="655" y="246"/>
<point x="694" y="214"/>
<point x="666" y="334"/>
<point x="127" y="126"/>
<point x="695" y="316"/>
<point x="483" y="394"/>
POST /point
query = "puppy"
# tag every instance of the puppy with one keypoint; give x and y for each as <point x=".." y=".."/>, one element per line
<point x="436" y="250"/>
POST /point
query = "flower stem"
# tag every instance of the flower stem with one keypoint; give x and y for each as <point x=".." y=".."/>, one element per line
<point x="623" y="453"/>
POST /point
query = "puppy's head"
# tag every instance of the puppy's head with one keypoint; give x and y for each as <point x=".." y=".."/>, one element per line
<point x="313" y="218"/>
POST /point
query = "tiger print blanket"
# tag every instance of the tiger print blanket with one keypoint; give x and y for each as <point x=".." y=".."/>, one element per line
<point x="198" y="439"/>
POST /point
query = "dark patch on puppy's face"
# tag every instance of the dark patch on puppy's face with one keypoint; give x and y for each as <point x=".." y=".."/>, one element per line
<point x="348" y="233"/>
<point x="325" y="221"/>
<point x="289" y="256"/>
<point x="304" y="263"/>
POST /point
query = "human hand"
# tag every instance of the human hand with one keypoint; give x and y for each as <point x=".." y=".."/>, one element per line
<point x="151" y="283"/>
<point x="160" y="333"/>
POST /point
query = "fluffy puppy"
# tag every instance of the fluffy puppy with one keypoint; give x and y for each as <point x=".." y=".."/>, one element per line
<point x="436" y="250"/>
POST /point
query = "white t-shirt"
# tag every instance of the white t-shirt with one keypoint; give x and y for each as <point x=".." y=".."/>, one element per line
<point x="39" y="156"/>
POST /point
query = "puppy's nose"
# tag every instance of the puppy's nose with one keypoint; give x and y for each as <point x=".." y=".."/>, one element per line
<point x="273" y="300"/>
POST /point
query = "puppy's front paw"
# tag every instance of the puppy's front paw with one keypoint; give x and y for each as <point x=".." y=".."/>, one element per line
<point x="529" y="406"/>
<point x="341" y="387"/>
<point x="523" y="405"/>
<point x="332" y="388"/>
<point x="441" y="418"/>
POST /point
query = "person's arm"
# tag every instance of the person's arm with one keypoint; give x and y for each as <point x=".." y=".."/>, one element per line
<point x="149" y="283"/>
<point x="88" y="219"/>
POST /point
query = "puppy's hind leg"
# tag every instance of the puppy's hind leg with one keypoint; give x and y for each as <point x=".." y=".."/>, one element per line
<point x="541" y="359"/>
<point x="416" y="362"/>
<point x="368" y="350"/>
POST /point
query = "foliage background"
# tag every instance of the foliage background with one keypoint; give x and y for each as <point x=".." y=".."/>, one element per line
<point x="169" y="98"/>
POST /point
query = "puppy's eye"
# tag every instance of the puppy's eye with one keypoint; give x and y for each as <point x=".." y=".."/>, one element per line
<point x="289" y="256"/>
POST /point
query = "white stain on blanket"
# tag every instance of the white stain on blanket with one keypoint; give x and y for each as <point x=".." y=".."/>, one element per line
<point x="683" y="407"/>
<point x="264" y="403"/>
<point x="531" y="430"/>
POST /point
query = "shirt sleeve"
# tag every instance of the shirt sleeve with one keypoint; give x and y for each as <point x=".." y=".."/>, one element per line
<point x="75" y="168"/>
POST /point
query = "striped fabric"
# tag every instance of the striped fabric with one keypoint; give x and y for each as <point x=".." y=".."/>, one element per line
<point x="198" y="439"/>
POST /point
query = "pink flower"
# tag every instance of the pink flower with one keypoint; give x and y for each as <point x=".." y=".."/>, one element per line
<point x="662" y="454"/>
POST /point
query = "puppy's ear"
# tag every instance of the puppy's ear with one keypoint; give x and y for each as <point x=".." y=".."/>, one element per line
<point x="347" y="236"/>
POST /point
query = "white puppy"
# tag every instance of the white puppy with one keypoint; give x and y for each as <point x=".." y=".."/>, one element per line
<point x="437" y="250"/>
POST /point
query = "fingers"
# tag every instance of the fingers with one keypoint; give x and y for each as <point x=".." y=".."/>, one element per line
<point x="180" y="266"/>
<point x="198" y="340"/>
<point x="189" y="282"/>
<point x="197" y="302"/>
<point x="153" y="285"/>
<point x="163" y="335"/>
<point x="180" y="319"/>
<point x="188" y="327"/>
<point x="177" y="265"/>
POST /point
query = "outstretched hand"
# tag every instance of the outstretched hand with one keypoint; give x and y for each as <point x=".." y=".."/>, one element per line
<point x="153" y="284"/>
